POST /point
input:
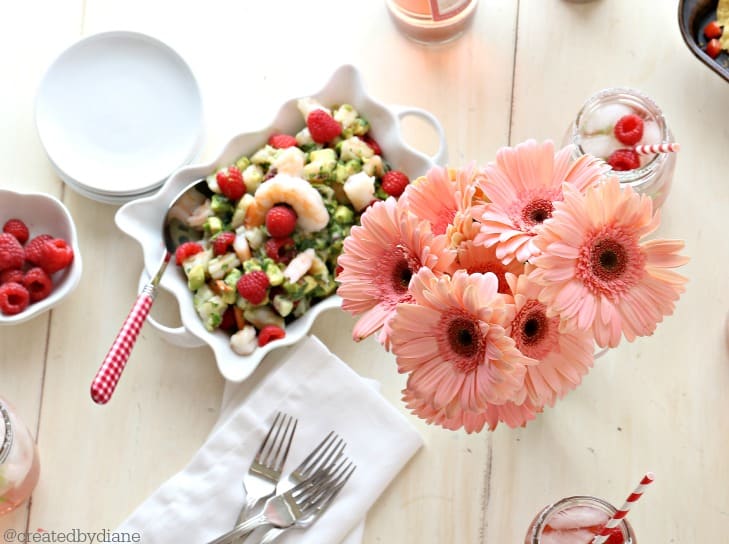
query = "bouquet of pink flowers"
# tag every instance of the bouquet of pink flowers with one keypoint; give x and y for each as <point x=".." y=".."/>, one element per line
<point x="492" y="286"/>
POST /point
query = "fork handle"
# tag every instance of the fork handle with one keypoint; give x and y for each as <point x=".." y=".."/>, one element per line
<point x="242" y="529"/>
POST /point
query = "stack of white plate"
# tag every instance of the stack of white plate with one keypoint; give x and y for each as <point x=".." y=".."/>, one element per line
<point x="117" y="113"/>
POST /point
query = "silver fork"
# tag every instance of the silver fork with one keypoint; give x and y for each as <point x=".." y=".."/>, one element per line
<point x="265" y="471"/>
<point x="297" y="503"/>
<point x="274" y="532"/>
<point x="322" y="455"/>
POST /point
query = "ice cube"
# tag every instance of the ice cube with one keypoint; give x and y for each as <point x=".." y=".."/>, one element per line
<point x="603" y="119"/>
<point x="578" y="536"/>
<point x="651" y="133"/>
<point x="578" y="517"/>
<point x="601" y="145"/>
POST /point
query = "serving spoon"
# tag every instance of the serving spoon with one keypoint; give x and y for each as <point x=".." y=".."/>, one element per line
<point x="174" y="233"/>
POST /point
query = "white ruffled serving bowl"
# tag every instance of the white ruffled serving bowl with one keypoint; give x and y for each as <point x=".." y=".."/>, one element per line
<point x="142" y="219"/>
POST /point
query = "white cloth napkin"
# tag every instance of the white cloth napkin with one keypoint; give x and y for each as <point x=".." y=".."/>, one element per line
<point x="310" y="383"/>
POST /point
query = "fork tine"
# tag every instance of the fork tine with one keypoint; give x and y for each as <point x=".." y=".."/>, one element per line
<point x="275" y="445"/>
<point x="326" y="460"/>
<point x="304" y="466"/>
<point x="326" y="493"/>
<point x="265" y="443"/>
<point x="286" y="444"/>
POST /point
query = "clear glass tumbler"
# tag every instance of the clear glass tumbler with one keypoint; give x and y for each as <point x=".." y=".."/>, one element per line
<point x="592" y="131"/>
<point x="19" y="464"/>
<point x="432" y="21"/>
<point x="576" y="520"/>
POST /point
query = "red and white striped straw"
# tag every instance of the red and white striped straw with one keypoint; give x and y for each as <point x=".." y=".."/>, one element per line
<point x="653" y="149"/>
<point x="620" y="514"/>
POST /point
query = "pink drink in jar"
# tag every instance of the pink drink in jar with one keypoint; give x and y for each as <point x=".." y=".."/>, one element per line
<point x="593" y="132"/>
<point x="19" y="465"/>
<point x="432" y="21"/>
<point x="577" y="520"/>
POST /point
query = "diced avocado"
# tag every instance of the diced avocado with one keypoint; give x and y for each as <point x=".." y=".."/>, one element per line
<point x="250" y="265"/>
<point x="360" y="127"/>
<point x="213" y="225"/>
<point x="274" y="273"/>
<point x="209" y="306"/>
<point x="221" y="205"/>
<point x="253" y="176"/>
<point x="256" y="237"/>
<point x="232" y="278"/>
<point x="199" y="259"/>
<point x="226" y="293"/>
<point x="346" y="169"/>
<point x="242" y="163"/>
<point x="302" y="307"/>
<point x="323" y="155"/>
<point x="344" y="215"/>
<point x="319" y="171"/>
<point x="264" y="156"/>
<point x="283" y="305"/>
<point x="196" y="277"/>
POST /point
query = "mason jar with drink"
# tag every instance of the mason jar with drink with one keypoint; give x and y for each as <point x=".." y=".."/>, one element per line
<point x="19" y="463"/>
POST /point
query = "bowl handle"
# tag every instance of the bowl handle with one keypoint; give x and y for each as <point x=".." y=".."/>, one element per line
<point x="178" y="336"/>
<point x="441" y="156"/>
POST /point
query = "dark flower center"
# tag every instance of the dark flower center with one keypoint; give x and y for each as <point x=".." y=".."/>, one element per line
<point x="537" y="211"/>
<point x="464" y="338"/>
<point x="609" y="259"/>
<point x="401" y="275"/>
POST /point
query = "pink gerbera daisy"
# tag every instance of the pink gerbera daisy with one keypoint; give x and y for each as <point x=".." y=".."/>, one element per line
<point x="379" y="258"/>
<point x="597" y="274"/>
<point x="453" y="417"/>
<point x="444" y="198"/>
<point x="474" y="257"/>
<point x="564" y="356"/>
<point x="452" y="340"/>
<point x="523" y="186"/>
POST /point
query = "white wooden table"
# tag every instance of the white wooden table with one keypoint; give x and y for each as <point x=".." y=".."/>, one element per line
<point x="522" y="71"/>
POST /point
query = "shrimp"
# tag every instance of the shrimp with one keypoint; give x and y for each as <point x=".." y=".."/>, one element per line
<point x="240" y="245"/>
<point x="297" y="193"/>
<point x="299" y="265"/>
<point x="186" y="205"/>
<point x="200" y="214"/>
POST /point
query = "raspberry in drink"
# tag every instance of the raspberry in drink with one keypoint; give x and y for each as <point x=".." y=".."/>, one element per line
<point x="19" y="465"/>
<point x="577" y="520"/>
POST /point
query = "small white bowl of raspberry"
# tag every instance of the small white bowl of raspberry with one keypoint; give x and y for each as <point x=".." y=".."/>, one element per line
<point x="40" y="261"/>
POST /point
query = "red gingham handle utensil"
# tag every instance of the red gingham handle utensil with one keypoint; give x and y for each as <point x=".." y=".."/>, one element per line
<point x="104" y="384"/>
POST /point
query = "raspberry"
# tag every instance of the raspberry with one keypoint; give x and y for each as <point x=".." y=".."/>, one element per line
<point x="222" y="242"/>
<point x="11" y="274"/>
<point x="280" y="249"/>
<point x="370" y="141"/>
<point x="281" y="221"/>
<point x="269" y="333"/>
<point x="12" y="254"/>
<point x="615" y="536"/>
<point x="14" y="298"/>
<point x="253" y="286"/>
<point x="322" y="126"/>
<point x="55" y="255"/>
<point x="629" y="129"/>
<point x="394" y="183"/>
<point x="228" y="322"/>
<point x="281" y="141"/>
<point x="38" y="284"/>
<point x="187" y="250"/>
<point x="624" y="159"/>
<point x="33" y="248"/>
<point x="231" y="183"/>
<point x="18" y="229"/>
